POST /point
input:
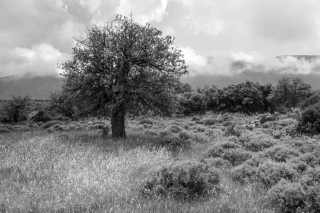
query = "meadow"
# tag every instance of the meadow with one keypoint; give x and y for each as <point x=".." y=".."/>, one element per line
<point x="228" y="163"/>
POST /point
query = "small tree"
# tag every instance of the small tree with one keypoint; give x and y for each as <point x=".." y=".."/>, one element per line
<point x="289" y="92"/>
<point x="124" y="67"/>
<point x="16" y="109"/>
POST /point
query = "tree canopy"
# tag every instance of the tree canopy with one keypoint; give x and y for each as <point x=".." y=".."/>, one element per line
<point x="123" y="67"/>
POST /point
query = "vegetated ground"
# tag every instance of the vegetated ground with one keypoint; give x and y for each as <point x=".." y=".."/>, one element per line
<point x="62" y="166"/>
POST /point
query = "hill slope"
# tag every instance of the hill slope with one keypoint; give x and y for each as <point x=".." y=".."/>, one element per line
<point x="36" y="87"/>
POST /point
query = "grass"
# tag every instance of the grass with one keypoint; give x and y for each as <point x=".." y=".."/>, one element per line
<point x="82" y="171"/>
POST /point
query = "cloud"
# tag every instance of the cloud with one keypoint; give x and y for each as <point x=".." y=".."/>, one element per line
<point x="235" y="63"/>
<point x="40" y="60"/>
<point x="285" y="20"/>
<point x="143" y="11"/>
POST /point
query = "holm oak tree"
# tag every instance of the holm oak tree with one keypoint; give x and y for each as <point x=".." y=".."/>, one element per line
<point x="123" y="67"/>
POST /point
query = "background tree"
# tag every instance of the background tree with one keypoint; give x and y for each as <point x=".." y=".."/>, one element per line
<point x="122" y="66"/>
<point x="289" y="92"/>
<point x="247" y="97"/>
<point x="16" y="109"/>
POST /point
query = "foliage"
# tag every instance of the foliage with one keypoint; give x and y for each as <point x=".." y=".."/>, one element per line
<point x="228" y="151"/>
<point x="309" y="123"/>
<point x="4" y="130"/>
<point x="312" y="100"/>
<point x="245" y="97"/>
<point x="280" y="153"/>
<point x="267" y="173"/>
<point x="61" y="103"/>
<point x="42" y="116"/>
<point x="182" y="180"/>
<point x="174" y="143"/>
<point x="16" y="109"/>
<point x="192" y="103"/>
<point x="289" y="92"/>
<point x="50" y="123"/>
<point x="124" y="67"/>
<point x="287" y="196"/>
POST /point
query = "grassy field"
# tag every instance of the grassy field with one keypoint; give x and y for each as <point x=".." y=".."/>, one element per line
<point x="75" y="169"/>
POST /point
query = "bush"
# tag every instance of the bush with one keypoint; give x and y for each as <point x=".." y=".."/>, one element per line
<point x="16" y="109"/>
<point x="61" y="118"/>
<point x="287" y="196"/>
<point x="280" y="153"/>
<point x="312" y="100"/>
<point x="174" y="143"/>
<point x="257" y="143"/>
<point x="41" y="116"/>
<point x="192" y="102"/>
<point x="50" y="123"/>
<point x="4" y="130"/>
<point x="266" y="174"/>
<point x="232" y="130"/>
<point x="309" y="123"/>
<point x="209" y="121"/>
<point x="175" y="129"/>
<point x="247" y="97"/>
<point x="182" y="180"/>
<point x="228" y="151"/>
<point x="217" y="162"/>
<point x="146" y="121"/>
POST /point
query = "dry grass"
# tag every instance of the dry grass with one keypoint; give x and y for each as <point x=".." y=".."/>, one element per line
<point x="82" y="171"/>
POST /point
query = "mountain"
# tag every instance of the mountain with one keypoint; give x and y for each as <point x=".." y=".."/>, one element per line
<point x="41" y="87"/>
<point x="38" y="87"/>
<point x="308" y="58"/>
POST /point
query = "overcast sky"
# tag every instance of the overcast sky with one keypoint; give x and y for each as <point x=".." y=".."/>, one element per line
<point x="217" y="37"/>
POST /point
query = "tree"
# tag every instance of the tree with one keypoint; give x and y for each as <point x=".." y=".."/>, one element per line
<point x="289" y="92"/>
<point x="124" y="67"/>
<point x="16" y="109"/>
<point x="247" y="97"/>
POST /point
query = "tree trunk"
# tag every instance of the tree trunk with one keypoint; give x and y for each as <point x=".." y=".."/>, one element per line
<point x="118" y="121"/>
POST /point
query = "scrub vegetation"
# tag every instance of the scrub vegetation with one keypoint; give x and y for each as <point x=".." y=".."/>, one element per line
<point x="126" y="147"/>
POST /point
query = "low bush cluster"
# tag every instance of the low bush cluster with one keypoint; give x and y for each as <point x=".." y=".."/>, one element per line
<point x="182" y="180"/>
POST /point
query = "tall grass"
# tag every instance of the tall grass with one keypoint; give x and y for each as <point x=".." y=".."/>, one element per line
<point x="83" y="172"/>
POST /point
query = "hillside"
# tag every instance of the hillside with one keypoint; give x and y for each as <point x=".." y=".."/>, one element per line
<point x="36" y="87"/>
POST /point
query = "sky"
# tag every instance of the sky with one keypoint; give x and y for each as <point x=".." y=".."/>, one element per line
<point x="217" y="38"/>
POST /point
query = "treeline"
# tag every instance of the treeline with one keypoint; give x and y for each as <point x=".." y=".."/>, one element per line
<point x="248" y="97"/>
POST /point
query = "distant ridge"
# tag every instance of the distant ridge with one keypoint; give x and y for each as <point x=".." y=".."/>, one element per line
<point x="38" y="87"/>
<point x="308" y="58"/>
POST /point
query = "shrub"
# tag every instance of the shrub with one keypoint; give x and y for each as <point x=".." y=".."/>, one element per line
<point x="232" y="130"/>
<point x="192" y="102"/>
<point x="216" y="162"/>
<point x="184" y="135"/>
<point x="309" y="123"/>
<point x="4" y="130"/>
<point x="50" y="123"/>
<point x="61" y="118"/>
<point x="209" y="121"/>
<point x="286" y="122"/>
<point x="266" y="174"/>
<point x="245" y="97"/>
<point x="175" y="129"/>
<point x="41" y="116"/>
<point x="280" y="153"/>
<point x="287" y="196"/>
<point x="146" y="121"/>
<point x="259" y="145"/>
<point x="228" y="151"/>
<point x="182" y="180"/>
<point x="16" y="109"/>
<point x="312" y="100"/>
<point x="174" y="143"/>
<point x="20" y="128"/>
